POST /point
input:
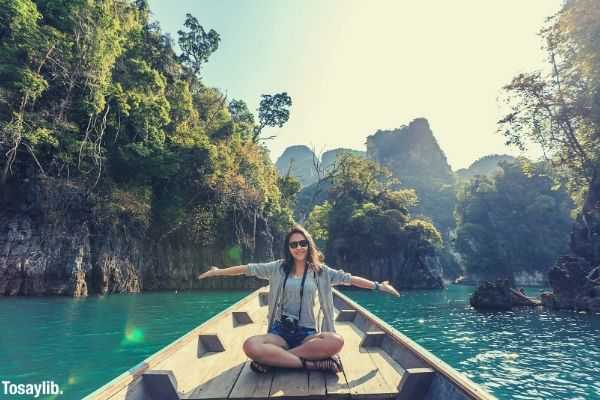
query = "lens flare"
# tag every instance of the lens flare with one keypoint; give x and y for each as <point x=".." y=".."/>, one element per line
<point x="133" y="335"/>
<point x="233" y="255"/>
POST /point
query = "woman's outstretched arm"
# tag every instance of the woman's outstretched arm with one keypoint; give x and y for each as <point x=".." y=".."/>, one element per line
<point x="231" y="271"/>
<point x="367" y="284"/>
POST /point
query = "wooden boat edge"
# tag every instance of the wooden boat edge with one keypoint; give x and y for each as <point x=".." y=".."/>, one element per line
<point x="455" y="378"/>
<point x="116" y="384"/>
<point x="464" y="383"/>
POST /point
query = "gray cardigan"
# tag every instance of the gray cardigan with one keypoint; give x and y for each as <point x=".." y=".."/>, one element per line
<point x="326" y="278"/>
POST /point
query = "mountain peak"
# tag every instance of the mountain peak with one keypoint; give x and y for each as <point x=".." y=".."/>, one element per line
<point x="410" y="151"/>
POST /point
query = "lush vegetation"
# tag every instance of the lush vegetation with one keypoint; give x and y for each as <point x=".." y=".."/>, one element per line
<point x="363" y="218"/>
<point x="93" y="92"/>
<point x="559" y="109"/>
<point x="518" y="220"/>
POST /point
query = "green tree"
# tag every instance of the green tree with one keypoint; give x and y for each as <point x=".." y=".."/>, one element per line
<point x="362" y="208"/>
<point x="517" y="221"/>
<point x="196" y="44"/>
<point x="558" y="110"/>
<point x="272" y="111"/>
<point x="241" y="116"/>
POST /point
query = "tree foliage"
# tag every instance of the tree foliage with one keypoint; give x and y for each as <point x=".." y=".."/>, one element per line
<point x="559" y="109"/>
<point x="519" y="220"/>
<point x="196" y="44"/>
<point x="94" y="93"/>
<point x="273" y="111"/>
<point x="365" y="217"/>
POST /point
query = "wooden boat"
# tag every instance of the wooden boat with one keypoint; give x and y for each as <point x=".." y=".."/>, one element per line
<point x="208" y="363"/>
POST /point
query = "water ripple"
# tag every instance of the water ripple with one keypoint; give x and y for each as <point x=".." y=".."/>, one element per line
<point x="521" y="354"/>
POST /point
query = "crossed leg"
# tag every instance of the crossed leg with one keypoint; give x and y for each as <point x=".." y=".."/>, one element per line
<point x="272" y="349"/>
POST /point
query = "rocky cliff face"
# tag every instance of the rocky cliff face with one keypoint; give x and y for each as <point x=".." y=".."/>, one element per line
<point x="404" y="271"/>
<point x="575" y="280"/>
<point x="298" y="161"/>
<point x="585" y="237"/>
<point x="414" y="156"/>
<point x="499" y="295"/>
<point x="575" y="285"/>
<point x="410" y="151"/>
<point x="56" y="240"/>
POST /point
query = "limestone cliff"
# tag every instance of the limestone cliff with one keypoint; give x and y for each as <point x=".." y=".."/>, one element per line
<point x="575" y="280"/>
<point x="57" y="240"/>
<point x="406" y="267"/>
<point x="297" y="161"/>
<point x="414" y="156"/>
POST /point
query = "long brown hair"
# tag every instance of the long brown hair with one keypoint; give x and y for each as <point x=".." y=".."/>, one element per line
<point x="313" y="256"/>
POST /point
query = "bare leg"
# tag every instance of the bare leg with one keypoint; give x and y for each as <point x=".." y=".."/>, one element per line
<point x="318" y="347"/>
<point x="271" y="350"/>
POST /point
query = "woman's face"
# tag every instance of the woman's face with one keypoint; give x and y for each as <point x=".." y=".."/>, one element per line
<point x="298" y="246"/>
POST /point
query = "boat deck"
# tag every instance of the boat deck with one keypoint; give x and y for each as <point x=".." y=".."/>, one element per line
<point x="209" y="363"/>
<point x="368" y="373"/>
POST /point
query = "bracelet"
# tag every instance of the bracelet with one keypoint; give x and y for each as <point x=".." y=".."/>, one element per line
<point x="377" y="285"/>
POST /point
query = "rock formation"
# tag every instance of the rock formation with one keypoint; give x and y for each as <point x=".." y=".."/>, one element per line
<point x="500" y="295"/>
<point x="575" y="280"/>
<point x="57" y="240"/>
<point x="575" y="285"/>
<point x="298" y="161"/>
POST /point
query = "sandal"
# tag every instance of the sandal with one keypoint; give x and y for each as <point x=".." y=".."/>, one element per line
<point x="259" y="368"/>
<point x="331" y="364"/>
<point x="304" y="367"/>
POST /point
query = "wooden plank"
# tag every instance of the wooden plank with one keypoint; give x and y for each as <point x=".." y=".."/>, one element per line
<point x="263" y="298"/>
<point x="241" y="317"/>
<point x="346" y="316"/>
<point x="209" y="343"/>
<point x="160" y="385"/>
<point x="316" y="384"/>
<point x="372" y="339"/>
<point x="132" y="378"/>
<point x="251" y="385"/>
<point x="211" y="373"/>
<point x="390" y="370"/>
<point x="328" y="384"/>
<point x="289" y="383"/>
<point x="134" y="391"/>
<point x="362" y="374"/>
<point x="220" y="371"/>
<point x="336" y="385"/>
<point x="455" y="378"/>
<point x="415" y="383"/>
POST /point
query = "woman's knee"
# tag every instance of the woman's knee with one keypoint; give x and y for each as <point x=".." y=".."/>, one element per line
<point x="250" y="346"/>
<point x="335" y="341"/>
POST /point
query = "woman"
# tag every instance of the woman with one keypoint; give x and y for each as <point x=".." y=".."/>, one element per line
<point x="292" y="340"/>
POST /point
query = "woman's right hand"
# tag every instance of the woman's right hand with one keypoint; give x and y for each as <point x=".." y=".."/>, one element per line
<point x="212" y="271"/>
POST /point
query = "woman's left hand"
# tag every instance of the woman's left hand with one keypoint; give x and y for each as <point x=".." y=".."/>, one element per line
<point x="386" y="287"/>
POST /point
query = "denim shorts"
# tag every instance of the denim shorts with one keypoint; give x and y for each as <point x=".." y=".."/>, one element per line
<point x="294" y="339"/>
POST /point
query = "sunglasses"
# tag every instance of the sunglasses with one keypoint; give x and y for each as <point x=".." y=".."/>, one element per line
<point x="301" y="243"/>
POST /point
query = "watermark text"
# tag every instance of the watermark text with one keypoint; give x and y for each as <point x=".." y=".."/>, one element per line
<point x="34" y="389"/>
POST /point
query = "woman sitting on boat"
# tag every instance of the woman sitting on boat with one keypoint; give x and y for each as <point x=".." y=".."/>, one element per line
<point x="292" y="340"/>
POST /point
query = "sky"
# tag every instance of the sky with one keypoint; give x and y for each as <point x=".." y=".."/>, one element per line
<point x="353" y="67"/>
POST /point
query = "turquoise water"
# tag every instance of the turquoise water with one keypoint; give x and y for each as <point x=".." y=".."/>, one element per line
<point x="83" y="343"/>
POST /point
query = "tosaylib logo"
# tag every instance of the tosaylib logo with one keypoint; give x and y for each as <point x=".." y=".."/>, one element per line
<point x="34" y="389"/>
